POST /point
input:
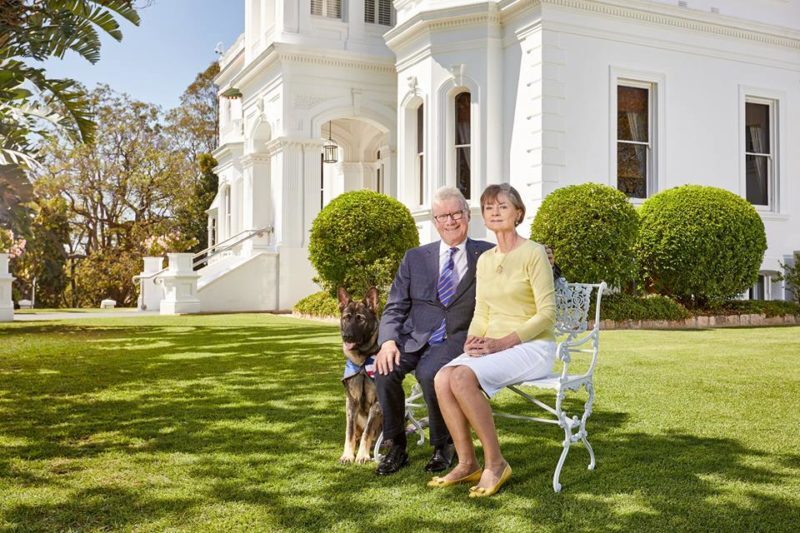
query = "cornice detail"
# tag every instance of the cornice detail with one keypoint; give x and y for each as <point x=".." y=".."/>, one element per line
<point x="636" y="10"/>
<point x="689" y="20"/>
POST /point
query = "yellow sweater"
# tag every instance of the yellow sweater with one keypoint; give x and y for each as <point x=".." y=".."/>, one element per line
<point x="520" y="298"/>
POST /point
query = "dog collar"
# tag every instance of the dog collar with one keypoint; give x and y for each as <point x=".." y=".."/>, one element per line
<point x="351" y="369"/>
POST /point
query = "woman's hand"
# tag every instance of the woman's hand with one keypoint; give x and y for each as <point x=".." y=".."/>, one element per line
<point x="480" y="346"/>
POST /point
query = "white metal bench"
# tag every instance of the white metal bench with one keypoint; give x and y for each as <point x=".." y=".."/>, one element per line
<point x="572" y="311"/>
<point x="572" y="325"/>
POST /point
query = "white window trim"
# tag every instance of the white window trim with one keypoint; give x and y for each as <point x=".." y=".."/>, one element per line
<point x="777" y="185"/>
<point x="446" y="113"/>
<point x="656" y="82"/>
<point x="407" y="163"/>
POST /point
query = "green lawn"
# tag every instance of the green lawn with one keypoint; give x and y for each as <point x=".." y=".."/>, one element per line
<point x="235" y="422"/>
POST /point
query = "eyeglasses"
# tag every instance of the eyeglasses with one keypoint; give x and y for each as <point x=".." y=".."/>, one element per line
<point x="456" y="216"/>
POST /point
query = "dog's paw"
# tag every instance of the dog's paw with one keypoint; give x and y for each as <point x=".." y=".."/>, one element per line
<point x="362" y="458"/>
<point x="346" y="459"/>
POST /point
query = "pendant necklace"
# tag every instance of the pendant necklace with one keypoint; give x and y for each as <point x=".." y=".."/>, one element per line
<point x="499" y="268"/>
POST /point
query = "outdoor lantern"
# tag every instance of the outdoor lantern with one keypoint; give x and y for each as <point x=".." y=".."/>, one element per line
<point x="330" y="152"/>
<point x="232" y="93"/>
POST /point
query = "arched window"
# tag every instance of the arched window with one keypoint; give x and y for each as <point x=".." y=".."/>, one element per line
<point x="327" y="8"/>
<point x="462" y="137"/>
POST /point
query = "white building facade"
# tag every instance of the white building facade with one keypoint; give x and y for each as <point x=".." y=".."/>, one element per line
<point x="641" y="95"/>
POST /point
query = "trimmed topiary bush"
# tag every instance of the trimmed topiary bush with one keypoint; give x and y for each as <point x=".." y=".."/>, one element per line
<point x="699" y="244"/>
<point x="592" y="230"/>
<point x="358" y="240"/>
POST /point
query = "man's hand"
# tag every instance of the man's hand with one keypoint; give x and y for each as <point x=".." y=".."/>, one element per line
<point x="388" y="357"/>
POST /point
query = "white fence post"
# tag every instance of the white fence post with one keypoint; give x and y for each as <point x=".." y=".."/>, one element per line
<point x="180" y="286"/>
<point x="151" y="290"/>
<point x="6" y="303"/>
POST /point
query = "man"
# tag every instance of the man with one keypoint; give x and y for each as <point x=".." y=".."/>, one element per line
<point x="424" y="326"/>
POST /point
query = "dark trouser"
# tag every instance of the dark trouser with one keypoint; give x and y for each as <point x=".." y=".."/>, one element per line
<point x="426" y="363"/>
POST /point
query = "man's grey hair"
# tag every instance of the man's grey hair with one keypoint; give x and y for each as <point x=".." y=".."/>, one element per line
<point x="450" y="193"/>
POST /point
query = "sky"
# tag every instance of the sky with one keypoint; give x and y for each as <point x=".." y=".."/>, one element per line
<point x="157" y="60"/>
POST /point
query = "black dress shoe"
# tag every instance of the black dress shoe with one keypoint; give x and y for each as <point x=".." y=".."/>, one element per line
<point x="393" y="461"/>
<point x="441" y="459"/>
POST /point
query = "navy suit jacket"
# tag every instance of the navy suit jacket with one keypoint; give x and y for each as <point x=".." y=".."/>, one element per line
<point x="413" y="310"/>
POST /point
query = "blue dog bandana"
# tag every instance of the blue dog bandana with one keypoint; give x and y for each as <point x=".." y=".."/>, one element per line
<point x="351" y="369"/>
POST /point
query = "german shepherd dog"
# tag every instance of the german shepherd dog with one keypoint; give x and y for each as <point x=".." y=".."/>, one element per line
<point x="359" y="328"/>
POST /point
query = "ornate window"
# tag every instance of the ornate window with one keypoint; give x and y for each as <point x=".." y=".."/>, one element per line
<point x="760" y="151"/>
<point x="635" y="153"/>
<point x="462" y="144"/>
<point x="327" y="8"/>
<point x="378" y="12"/>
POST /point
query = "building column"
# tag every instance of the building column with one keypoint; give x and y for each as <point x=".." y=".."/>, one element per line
<point x="258" y="202"/>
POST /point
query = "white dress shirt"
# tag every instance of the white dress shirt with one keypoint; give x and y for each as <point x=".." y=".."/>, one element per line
<point x="459" y="259"/>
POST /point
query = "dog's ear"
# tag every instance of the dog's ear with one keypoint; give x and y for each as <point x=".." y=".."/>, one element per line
<point x="371" y="299"/>
<point x="344" y="298"/>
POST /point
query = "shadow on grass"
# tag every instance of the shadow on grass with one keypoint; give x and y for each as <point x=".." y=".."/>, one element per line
<point x="253" y="415"/>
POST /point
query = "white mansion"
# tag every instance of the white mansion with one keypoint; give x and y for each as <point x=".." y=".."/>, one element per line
<point x="643" y="95"/>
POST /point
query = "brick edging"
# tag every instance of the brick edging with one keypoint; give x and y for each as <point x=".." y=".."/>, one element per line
<point x="700" y="322"/>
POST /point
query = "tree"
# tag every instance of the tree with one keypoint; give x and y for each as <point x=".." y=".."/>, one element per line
<point x="118" y="191"/>
<point x="37" y="30"/>
<point x="193" y="127"/>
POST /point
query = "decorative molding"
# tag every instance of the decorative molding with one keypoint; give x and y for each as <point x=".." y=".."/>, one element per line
<point x="306" y="101"/>
<point x="253" y="159"/>
<point x="635" y="10"/>
<point x="694" y="20"/>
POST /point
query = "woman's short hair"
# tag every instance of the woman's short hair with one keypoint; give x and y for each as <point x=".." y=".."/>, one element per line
<point x="450" y="193"/>
<point x="493" y="191"/>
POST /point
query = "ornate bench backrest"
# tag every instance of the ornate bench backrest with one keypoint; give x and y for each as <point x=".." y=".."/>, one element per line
<point x="572" y="307"/>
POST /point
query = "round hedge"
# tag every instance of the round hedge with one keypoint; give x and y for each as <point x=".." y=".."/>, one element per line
<point x="592" y="230"/>
<point x="358" y="240"/>
<point x="699" y="244"/>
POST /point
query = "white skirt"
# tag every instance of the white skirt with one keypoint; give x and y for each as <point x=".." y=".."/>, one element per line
<point x="523" y="362"/>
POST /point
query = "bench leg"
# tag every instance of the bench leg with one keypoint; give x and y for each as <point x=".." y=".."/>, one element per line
<point x="587" y="411"/>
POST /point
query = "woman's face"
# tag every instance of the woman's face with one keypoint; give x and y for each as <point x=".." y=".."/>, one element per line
<point x="500" y="214"/>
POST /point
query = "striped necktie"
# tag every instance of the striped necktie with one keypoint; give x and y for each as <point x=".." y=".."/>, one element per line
<point x="446" y="289"/>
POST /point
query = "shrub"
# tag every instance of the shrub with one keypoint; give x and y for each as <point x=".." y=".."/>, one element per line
<point x="699" y="244"/>
<point x="592" y="230"/>
<point x="768" y="308"/>
<point x="791" y="274"/>
<point x="653" y="307"/>
<point x="322" y="304"/>
<point x="358" y="240"/>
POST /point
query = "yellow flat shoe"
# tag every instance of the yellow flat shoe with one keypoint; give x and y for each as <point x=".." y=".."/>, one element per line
<point x="440" y="482"/>
<point x="480" y="492"/>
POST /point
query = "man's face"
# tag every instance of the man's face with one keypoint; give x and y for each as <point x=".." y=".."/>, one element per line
<point x="453" y="232"/>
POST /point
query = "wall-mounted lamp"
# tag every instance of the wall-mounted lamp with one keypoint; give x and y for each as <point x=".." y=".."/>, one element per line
<point x="330" y="150"/>
<point x="232" y="93"/>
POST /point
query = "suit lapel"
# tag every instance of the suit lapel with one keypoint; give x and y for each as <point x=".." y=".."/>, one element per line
<point x="469" y="276"/>
<point x="432" y="266"/>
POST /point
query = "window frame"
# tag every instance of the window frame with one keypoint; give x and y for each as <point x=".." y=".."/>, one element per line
<point x="655" y="82"/>
<point x="419" y="153"/>
<point x="774" y="158"/>
<point x="376" y="12"/>
<point x="325" y="6"/>
<point x="454" y="148"/>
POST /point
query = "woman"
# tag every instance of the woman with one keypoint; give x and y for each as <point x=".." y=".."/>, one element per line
<point x="510" y="339"/>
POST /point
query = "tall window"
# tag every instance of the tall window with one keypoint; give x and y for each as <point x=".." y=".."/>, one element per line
<point x="420" y="159"/>
<point x="228" y="216"/>
<point x="327" y="8"/>
<point x="634" y="139"/>
<point x="760" y="151"/>
<point x="378" y="12"/>
<point x="321" y="181"/>
<point x="379" y="174"/>
<point x="462" y="143"/>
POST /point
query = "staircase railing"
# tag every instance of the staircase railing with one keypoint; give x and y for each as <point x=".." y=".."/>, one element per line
<point x="202" y="257"/>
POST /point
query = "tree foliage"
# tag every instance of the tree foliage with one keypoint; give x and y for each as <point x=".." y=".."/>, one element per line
<point x="358" y="240"/>
<point x="700" y="244"/>
<point x="592" y="230"/>
<point x="118" y="191"/>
